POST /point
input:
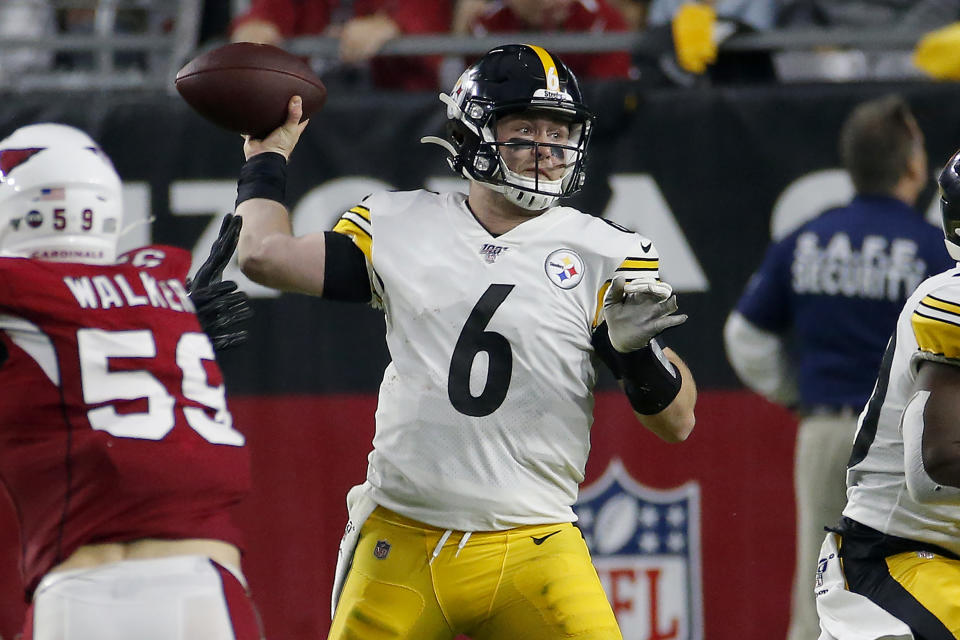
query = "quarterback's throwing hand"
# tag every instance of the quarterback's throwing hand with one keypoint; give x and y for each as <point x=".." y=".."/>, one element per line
<point x="284" y="138"/>
<point x="638" y="311"/>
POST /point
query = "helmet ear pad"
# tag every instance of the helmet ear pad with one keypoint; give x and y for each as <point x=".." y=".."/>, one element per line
<point x="464" y="141"/>
<point x="478" y="159"/>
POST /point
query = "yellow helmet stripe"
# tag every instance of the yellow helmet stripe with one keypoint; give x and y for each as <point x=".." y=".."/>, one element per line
<point x="549" y="67"/>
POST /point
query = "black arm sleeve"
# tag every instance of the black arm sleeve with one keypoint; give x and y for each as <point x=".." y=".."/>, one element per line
<point x="345" y="275"/>
<point x="606" y="352"/>
<point x="649" y="380"/>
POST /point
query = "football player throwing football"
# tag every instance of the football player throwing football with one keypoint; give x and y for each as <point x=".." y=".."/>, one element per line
<point x="500" y="304"/>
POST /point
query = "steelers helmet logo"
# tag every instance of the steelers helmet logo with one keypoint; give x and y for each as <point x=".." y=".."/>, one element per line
<point x="564" y="268"/>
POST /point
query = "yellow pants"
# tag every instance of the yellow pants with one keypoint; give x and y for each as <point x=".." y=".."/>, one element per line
<point x="934" y="582"/>
<point x="527" y="583"/>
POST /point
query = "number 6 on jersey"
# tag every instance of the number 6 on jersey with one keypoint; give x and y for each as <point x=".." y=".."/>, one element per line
<point x="473" y="339"/>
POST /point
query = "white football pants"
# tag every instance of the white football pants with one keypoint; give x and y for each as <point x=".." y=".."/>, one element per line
<point x="177" y="598"/>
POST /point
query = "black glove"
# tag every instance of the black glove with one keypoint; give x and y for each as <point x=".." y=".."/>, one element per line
<point x="222" y="310"/>
<point x="222" y="250"/>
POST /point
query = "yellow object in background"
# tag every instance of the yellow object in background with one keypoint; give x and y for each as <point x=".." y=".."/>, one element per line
<point x="938" y="53"/>
<point x="693" y="36"/>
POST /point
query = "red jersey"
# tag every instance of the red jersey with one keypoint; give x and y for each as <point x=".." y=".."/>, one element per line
<point x="113" y="416"/>
<point x="594" y="16"/>
<point x="312" y="17"/>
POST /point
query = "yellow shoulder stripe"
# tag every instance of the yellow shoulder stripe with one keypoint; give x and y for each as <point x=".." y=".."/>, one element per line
<point x="600" y="296"/>
<point x="936" y="336"/>
<point x="631" y="264"/>
<point x="360" y="237"/>
<point x="361" y="211"/>
<point x="942" y="305"/>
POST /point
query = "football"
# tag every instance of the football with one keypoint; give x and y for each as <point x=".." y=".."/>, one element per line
<point x="245" y="87"/>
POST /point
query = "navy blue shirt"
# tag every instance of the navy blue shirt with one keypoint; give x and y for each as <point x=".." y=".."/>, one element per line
<point x="837" y="284"/>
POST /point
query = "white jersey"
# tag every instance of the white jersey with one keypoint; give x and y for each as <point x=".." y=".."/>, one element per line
<point x="484" y="413"/>
<point x="877" y="496"/>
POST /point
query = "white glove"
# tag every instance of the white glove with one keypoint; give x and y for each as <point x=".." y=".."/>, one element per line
<point x="638" y="311"/>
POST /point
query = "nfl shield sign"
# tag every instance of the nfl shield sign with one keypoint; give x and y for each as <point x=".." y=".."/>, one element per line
<point x="645" y="545"/>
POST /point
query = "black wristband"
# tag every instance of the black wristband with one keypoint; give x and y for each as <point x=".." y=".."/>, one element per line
<point x="263" y="176"/>
<point x="649" y="379"/>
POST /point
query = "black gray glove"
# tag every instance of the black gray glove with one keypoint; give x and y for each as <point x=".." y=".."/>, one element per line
<point x="223" y="311"/>
<point x="638" y="311"/>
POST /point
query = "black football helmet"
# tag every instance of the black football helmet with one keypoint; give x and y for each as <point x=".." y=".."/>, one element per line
<point x="949" y="182"/>
<point x="510" y="79"/>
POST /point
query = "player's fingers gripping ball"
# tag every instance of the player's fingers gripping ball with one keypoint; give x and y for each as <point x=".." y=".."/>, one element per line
<point x="284" y="138"/>
<point x="638" y="311"/>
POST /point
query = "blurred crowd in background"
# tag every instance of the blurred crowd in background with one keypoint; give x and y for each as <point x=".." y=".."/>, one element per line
<point x="678" y="42"/>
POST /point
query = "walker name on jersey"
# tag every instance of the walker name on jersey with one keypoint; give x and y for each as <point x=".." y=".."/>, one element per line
<point x="106" y="292"/>
<point x="645" y="545"/>
<point x="880" y="269"/>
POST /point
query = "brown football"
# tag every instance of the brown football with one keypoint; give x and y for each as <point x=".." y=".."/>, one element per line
<point x="245" y="87"/>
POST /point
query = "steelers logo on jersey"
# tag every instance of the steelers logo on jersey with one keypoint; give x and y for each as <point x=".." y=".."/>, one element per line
<point x="564" y="268"/>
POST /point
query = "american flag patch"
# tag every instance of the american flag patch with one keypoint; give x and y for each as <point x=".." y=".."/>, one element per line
<point x="56" y="193"/>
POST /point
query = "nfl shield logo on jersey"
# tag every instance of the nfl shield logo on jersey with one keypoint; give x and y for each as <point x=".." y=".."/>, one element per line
<point x="381" y="549"/>
<point x="645" y="545"/>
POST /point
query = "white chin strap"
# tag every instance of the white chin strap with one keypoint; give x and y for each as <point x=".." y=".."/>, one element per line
<point x="527" y="200"/>
<point x="524" y="198"/>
